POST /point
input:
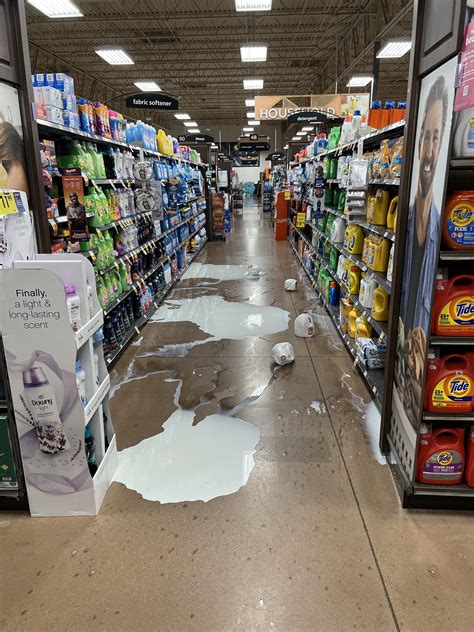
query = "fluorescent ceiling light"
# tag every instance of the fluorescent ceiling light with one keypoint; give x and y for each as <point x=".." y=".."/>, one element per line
<point x="190" y="124"/>
<point x="296" y="138"/>
<point x="394" y="48"/>
<point x="253" y="52"/>
<point x="251" y="115"/>
<point x="253" y="5"/>
<point x="359" y="81"/>
<point x="114" y="56"/>
<point x="182" y="117"/>
<point x="252" y="122"/>
<point x="307" y="129"/>
<point x="285" y="147"/>
<point x="194" y="130"/>
<point x="253" y="84"/>
<point x="247" y="129"/>
<point x="148" y="86"/>
<point x="57" y="8"/>
<point x="249" y="103"/>
<point x="301" y="133"/>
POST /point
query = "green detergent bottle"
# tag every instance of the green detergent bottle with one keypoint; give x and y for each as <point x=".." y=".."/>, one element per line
<point x="123" y="277"/>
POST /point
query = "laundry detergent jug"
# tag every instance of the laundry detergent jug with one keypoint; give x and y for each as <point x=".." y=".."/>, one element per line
<point x="449" y="384"/>
<point x="377" y="207"/>
<point x="337" y="231"/>
<point x="368" y="285"/>
<point x="353" y="279"/>
<point x="469" y="469"/>
<point x="463" y="145"/>
<point x="304" y="326"/>
<point x="392" y="214"/>
<point x="377" y="254"/>
<point x="453" y="308"/>
<point x="354" y="239"/>
<point x="363" y="327"/>
<point x="440" y="456"/>
<point x="381" y="303"/>
<point x="458" y="221"/>
<point x="345" y="307"/>
<point x="353" y="316"/>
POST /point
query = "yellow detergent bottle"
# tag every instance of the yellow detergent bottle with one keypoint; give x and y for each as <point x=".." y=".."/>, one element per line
<point x="353" y="316"/>
<point x="363" y="327"/>
<point x="353" y="279"/>
<point x="345" y="307"/>
<point x="377" y="207"/>
<point x="377" y="258"/>
<point x="356" y="240"/>
<point x="381" y="304"/>
<point x="162" y="141"/>
<point x="392" y="214"/>
<point x="366" y="248"/>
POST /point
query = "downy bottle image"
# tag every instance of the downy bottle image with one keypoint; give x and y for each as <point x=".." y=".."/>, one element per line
<point x="41" y="402"/>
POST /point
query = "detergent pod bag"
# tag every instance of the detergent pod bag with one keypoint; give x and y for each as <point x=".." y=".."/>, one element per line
<point x="304" y="326"/>
<point x="283" y="353"/>
<point x="290" y="285"/>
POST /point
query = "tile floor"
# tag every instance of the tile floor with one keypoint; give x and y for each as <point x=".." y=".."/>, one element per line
<point x="315" y="541"/>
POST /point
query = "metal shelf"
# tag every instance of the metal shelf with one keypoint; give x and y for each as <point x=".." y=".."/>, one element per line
<point x="456" y="255"/>
<point x="449" y="419"/>
<point x="443" y="490"/>
<point x="446" y="341"/>
<point x="462" y="163"/>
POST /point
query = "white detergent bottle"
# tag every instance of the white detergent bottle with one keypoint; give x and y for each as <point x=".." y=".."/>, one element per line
<point x="337" y="231"/>
<point x="463" y="146"/>
<point x="304" y="326"/>
<point x="40" y="400"/>
<point x="96" y="368"/>
<point x="366" y="292"/>
<point x="73" y="306"/>
<point x="81" y="383"/>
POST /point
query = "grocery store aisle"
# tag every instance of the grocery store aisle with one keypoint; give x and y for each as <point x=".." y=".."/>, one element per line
<point x="315" y="540"/>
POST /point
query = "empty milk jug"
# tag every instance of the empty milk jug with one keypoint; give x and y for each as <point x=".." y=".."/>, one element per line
<point x="283" y="353"/>
<point x="304" y="326"/>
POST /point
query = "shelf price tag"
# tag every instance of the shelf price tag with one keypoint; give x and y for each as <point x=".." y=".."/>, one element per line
<point x="287" y="195"/>
<point x="300" y="220"/>
<point x="10" y="202"/>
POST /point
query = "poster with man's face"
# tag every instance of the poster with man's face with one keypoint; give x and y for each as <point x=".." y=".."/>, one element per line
<point x="422" y="235"/>
<point x="12" y="153"/>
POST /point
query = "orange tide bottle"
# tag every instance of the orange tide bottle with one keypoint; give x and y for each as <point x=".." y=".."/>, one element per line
<point x="449" y="384"/>
<point x="440" y="456"/>
<point x="458" y="221"/>
<point x="469" y="469"/>
<point x="453" y="307"/>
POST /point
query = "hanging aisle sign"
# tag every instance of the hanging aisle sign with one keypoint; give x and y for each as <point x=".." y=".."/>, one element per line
<point x="152" y="101"/>
<point x="196" y="138"/>
<point x="278" y="108"/>
<point x="314" y="116"/>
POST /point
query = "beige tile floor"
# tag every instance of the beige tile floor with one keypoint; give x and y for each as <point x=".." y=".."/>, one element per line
<point x="316" y="541"/>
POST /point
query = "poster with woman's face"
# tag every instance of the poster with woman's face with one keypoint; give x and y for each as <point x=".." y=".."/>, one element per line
<point x="12" y="153"/>
<point x="430" y="162"/>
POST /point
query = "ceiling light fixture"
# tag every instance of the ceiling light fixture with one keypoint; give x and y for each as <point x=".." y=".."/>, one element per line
<point x="301" y="134"/>
<point x="250" y="115"/>
<point x="190" y="124"/>
<point x="253" y="5"/>
<point x="194" y="130"/>
<point x="182" y="116"/>
<point x="114" y="56"/>
<point x="253" y="84"/>
<point x="394" y="48"/>
<point x="296" y="138"/>
<point x="252" y="122"/>
<point x="254" y="51"/>
<point x="359" y="81"/>
<point x="285" y="147"/>
<point x="57" y="8"/>
<point x="249" y="103"/>
<point x="307" y="129"/>
<point x="247" y="129"/>
<point x="148" y="86"/>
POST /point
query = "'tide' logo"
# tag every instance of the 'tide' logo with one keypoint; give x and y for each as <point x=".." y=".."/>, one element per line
<point x="458" y="385"/>
<point x="462" y="216"/>
<point x="444" y="458"/>
<point x="464" y="310"/>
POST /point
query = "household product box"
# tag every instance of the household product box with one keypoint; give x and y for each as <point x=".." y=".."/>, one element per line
<point x="39" y="112"/>
<point x="38" y="80"/>
<point x="64" y="82"/>
<point x="49" y="79"/>
<point x="55" y="115"/>
<point x="48" y="150"/>
<point x="69" y="102"/>
<point x="53" y="97"/>
<point x="71" y="119"/>
<point x="38" y="95"/>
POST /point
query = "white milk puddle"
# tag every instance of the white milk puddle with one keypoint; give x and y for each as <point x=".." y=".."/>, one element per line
<point x="186" y="462"/>
<point x="318" y="406"/>
<point x="221" y="319"/>
<point x="371" y="420"/>
<point x="214" y="271"/>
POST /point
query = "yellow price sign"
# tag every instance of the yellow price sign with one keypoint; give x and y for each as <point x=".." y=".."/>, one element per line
<point x="287" y="195"/>
<point x="300" y="220"/>
<point x="10" y="202"/>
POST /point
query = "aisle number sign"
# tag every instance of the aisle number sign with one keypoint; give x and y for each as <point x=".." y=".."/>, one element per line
<point x="287" y="195"/>
<point x="10" y="202"/>
<point x="300" y="220"/>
